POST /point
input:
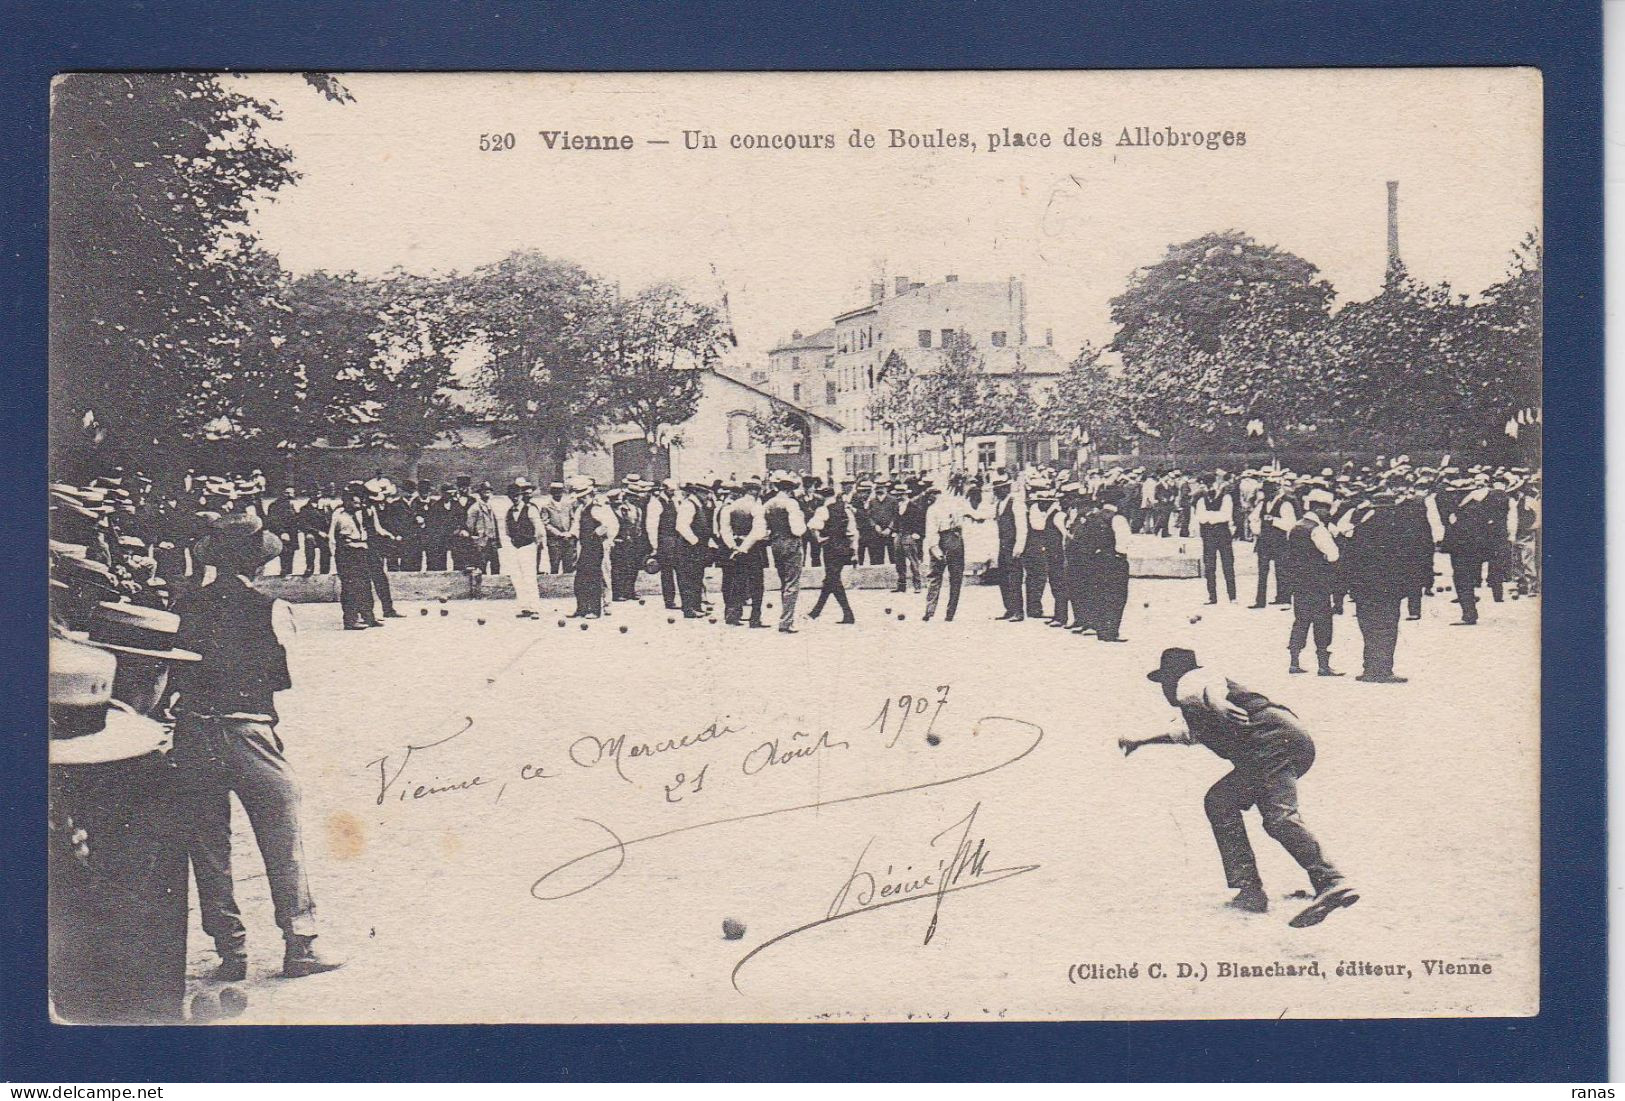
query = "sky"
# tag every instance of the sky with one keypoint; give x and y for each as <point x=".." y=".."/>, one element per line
<point x="397" y="179"/>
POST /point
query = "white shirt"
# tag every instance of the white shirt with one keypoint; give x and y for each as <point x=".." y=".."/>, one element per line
<point x="949" y="512"/>
<point x="1322" y="537"/>
<point x="798" y="519"/>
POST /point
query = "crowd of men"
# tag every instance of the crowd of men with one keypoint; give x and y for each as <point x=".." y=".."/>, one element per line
<point x="156" y="625"/>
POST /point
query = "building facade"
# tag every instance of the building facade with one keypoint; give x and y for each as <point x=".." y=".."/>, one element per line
<point x="841" y="370"/>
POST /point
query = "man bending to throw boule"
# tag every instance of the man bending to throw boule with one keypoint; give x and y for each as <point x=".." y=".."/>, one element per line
<point x="1270" y="750"/>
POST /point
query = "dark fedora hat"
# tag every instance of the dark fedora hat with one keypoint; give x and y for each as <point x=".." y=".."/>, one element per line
<point x="237" y="539"/>
<point x="1176" y="662"/>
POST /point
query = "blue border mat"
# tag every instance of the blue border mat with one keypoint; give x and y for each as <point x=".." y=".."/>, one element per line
<point x="1567" y="1042"/>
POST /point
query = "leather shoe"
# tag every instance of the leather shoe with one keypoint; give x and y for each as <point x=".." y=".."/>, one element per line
<point x="1250" y="900"/>
<point x="231" y="969"/>
<point x="301" y="958"/>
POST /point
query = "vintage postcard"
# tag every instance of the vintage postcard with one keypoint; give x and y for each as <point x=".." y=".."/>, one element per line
<point x="795" y="547"/>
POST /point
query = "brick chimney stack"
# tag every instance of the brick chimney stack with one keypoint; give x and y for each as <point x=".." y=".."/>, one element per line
<point x="902" y="284"/>
<point x="877" y="291"/>
<point x="1393" y="228"/>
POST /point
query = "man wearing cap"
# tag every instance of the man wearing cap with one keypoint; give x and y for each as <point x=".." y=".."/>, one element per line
<point x="1008" y="514"/>
<point x="742" y="527"/>
<point x="350" y="535"/>
<point x="1371" y="567"/>
<point x="282" y="520"/>
<point x="559" y="513"/>
<point x="832" y="524"/>
<point x="485" y="531"/>
<point x="1043" y="551"/>
<point x="596" y="529"/>
<point x="631" y="547"/>
<point x="316" y="520"/>
<point x="1269" y="751"/>
<point x="1473" y="530"/>
<point x="660" y="527"/>
<point x="1215" y="515"/>
<point x="1312" y="556"/>
<point x="1277" y="516"/>
<point x="380" y="544"/>
<point x="402" y="514"/>
<point x="946" y="515"/>
<point x="520" y="527"/>
<point x="226" y="741"/>
<point x="786" y="529"/>
<point x="691" y="516"/>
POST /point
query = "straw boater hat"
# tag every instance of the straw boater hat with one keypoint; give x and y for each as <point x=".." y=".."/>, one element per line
<point x="88" y="727"/>
<point x="136" y="629"/>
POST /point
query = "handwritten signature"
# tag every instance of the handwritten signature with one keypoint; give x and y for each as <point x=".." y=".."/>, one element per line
<point x="555" y="884"/>
<point x="866" y="891"/>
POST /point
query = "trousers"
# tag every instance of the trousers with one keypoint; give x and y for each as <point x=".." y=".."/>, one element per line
<point x="906" y="553"/>
<point x="216" y="758"/>
<point x="355" y="585"/>
<point x="519" y="564"/>
<point x="1269" y="780"/>
<point x="1378" y="617"/>
<point x="832" y="587"/>
<point x="787" y="561"/>
<point x="1218" y="550"/>
<point x="1010" y="583"/>
<point x="950" y="564"/>
<point x="1311" y="611"/>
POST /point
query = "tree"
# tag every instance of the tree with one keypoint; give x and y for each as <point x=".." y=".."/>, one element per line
<point x="153" y="270"/>
<point x="402" y="396"/>
<point x="1221" y="332"/>
<point x="1089" y="404"/>
<point x="1397" y="367"/>
<point x="953" y="397"/>
<point x="651" y="348"/>
<point x="540" y="324"/>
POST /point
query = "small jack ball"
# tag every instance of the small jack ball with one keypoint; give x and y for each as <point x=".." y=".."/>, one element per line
<point x="584" y="626"/>
<point x="561" y="623"/>
<point x="1147" y="604"/>
<point x="481" y="622"/>
<point x="641" y="603"/>
<point x="888" y="611"/>
<point x="423" y="611"/>
<point x="623" y="630"/>
<point x="671" y="619"/>
<point x="933" y="739"/>
<point x="901" y="617"/>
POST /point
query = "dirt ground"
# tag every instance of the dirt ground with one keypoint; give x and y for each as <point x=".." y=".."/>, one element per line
<point x="431" y="867"/>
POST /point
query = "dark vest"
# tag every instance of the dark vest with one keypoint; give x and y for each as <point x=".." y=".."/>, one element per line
<point x="1311" y="573"/>
<point x="666" y="529"/>
<point x="592" y="544"/>
<point x="243" y="665"/>
<point x="703" y="529"/>
<point x="1005" y="510"/>
<point x="778" y="521"/>
<point x="1096" y="539"/>
<point x="1236" y="742"/>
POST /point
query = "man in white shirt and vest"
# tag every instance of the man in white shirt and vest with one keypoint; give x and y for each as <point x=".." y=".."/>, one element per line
<point x="1277" y="516"/>
<point x="1009" y="514"/>
<point x="1215" y="520"/>
<point x="1312" y="557"/>
<point x="786" y="528"/>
